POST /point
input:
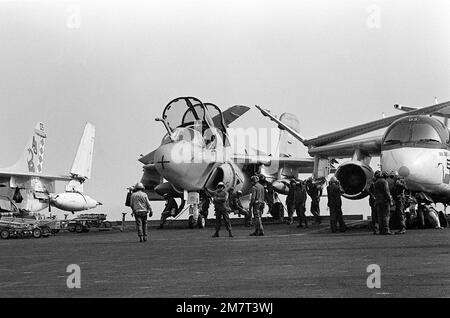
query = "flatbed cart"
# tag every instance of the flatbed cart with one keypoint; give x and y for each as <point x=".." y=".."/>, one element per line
<point x="11" y="227"/>
<point x="85" y="222"/>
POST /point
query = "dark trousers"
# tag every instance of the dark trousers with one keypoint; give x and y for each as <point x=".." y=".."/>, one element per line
<point x="165" y="215"/>
<point x="315" y="209"/>
<point x="383" y="216"/>
<point x="247" y="215"/>
<point x="374" y="218"/>
<point x="335" y="218"/>
<point x="222" y="214"/>
<point x="290" y="206"/>
<point x="301" y="209"/>
<point x="400" y="214"/>
<point x="141" y="223"/>
<point x="258" y="209"/>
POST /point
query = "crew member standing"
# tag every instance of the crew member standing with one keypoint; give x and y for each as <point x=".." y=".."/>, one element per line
<point x="383" y="202"/>
<point x="334" y="191"/>
<point x="140" y="206"/>
<point x="257" y="206"/>
<point x="290" y="202"/>
<point x="399" y="195"/>
<point x="220" y="206"/>
<point x="315" y="191"/>
<point x="373" y="208"/>
<point x="300" y="203"/>
<point x="170" y="209"/>
<point x="236" y="206"/>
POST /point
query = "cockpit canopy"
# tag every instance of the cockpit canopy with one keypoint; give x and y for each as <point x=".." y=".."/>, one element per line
<point x="416" y="129"/>
<point x="191" y="113"/>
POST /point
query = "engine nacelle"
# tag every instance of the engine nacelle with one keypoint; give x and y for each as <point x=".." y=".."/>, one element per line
<point x="355" y="178"/>
<point x="229" y="174"/>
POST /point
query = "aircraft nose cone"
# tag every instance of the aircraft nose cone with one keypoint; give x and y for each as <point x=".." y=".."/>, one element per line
<point x="404" y="171"/>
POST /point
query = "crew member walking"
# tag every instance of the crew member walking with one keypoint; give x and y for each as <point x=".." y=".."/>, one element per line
<point x="140" y="206"/>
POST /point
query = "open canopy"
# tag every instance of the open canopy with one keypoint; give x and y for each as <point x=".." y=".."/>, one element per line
<point x="190" y="112"/>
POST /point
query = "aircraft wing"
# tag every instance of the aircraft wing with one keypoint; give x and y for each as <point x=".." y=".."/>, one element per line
<point x="370" y="146"/>
<point x="303" y="165"/>
<point x="231" y="114"/>
<point x="357" y="130"/>
<point x="37" y="175"/>
<point x="444" y="113"/>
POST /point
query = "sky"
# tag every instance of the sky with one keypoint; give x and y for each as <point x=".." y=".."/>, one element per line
<point x="118" y="63"/>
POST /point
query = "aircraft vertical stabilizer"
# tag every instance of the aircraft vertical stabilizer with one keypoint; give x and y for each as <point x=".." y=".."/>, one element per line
<point x="288" y="145"/>
<point x="82" y="163"/>
<point x="32" y="158"/>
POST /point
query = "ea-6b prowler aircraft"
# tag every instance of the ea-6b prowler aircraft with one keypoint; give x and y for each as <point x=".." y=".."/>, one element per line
<point x="414" y="144"/>
<point x="196" y="154"/>
<point x="25" y="187"/>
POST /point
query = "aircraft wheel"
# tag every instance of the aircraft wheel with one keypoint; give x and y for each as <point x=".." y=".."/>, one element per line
<point x="4" y="234"/>
<point x="37" y="233"/>
<point x="78" y="228"/>
<point x="191" y="222"/>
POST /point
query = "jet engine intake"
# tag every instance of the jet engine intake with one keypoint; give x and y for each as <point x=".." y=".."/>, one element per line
<point x="355" y="178"/>
<point x="227" y="173"/>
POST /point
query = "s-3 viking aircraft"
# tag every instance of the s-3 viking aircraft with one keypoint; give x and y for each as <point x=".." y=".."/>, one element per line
<point x="414" y="144"/>
<point x="196" y="154"/>
<point x="25" y="187"/>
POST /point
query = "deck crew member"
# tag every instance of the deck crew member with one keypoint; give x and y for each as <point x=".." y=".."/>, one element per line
<point x="383" y="202"/>
<point x="257" y="206"/>
<point x="236" y="206"/>
<point x="170" y="210"/>
<point x="140" y="206"/>
<point x="399" y="195"/>
<point x="334" y="191"/>
<point x="220" y="206"/>
<point x="290" y="202"/>
<point x="373" y="208"/>
<point x="315" y="191"/>
<point x="300" y="203"/>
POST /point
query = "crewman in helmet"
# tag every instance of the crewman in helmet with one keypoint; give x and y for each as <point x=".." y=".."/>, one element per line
<point x="140" y="206"/>
<point x="236" y="206"/>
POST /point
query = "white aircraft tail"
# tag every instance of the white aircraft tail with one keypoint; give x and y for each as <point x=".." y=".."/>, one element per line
<point x="288" y="145"/>
<point x="32" y="158"/>
<point x="82" y="164"/>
